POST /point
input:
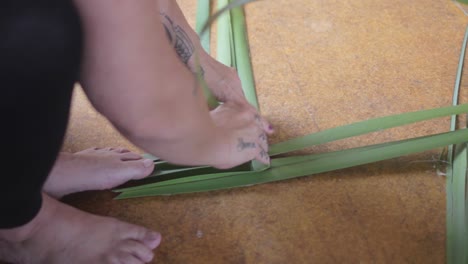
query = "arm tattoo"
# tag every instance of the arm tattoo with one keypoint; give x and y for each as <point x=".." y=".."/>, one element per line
<point x="202" y="71"/>
<point x="178" y="38"/>
<point x="244" y="145"/>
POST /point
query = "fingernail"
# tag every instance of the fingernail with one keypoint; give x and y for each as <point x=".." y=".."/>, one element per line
<point x="148" y="163"/>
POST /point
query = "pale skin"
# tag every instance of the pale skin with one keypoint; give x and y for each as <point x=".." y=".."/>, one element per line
<point x="188" y="135"/>
<point x="95" y="169"/>
<point x="130" y="65"/>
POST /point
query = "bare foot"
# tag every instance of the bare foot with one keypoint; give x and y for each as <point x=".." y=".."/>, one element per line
<point x="62" y="234"/>
<point x="95" y="169"/>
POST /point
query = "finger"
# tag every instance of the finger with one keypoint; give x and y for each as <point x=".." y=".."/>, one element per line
<point x="267" y="127"/>
<point x="263" y="157"/>
<point x="258" y="119"/>
<point x="262" y="122"/>
<point x="263" y="141"/>
<point x="244" y="145"/>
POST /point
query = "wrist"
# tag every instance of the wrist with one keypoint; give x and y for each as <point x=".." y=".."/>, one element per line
<point x="200" y="57"/>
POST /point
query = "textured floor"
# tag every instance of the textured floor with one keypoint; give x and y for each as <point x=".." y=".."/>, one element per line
<point x="318" y="64"/>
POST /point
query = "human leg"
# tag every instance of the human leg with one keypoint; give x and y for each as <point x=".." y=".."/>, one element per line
<point x="40" y="49"/>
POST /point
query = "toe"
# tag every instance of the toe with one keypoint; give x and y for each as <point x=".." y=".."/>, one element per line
<point x="89" y="150"/>
<point x="132" y="170"/>
<point x="130" y="156"/>
<point x="138" y="249"/>
<point x="149" y="238"/>
<point x="123" y="258"/>
<point x="124" y="171"/>
<point x="127" y="258"/>
<point x="152" y="240"/>
<point x="121" y="150"/>
<point x="139" y="169"/>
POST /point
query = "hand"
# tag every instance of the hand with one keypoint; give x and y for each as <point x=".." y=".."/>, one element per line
<point x="244" y="138"/>
<point x="222" y="80"/>
<point x="226" y="86"/>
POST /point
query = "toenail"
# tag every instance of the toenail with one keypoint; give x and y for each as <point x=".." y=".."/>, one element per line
<point x="152" y="240"/>
<point x="154" y="236"/>
<point x="148" y="163"/>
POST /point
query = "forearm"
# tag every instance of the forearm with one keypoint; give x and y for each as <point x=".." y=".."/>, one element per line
<point x="132" y="76"/>
<point x="180" y="34"/>
<point x="187" y="43"/>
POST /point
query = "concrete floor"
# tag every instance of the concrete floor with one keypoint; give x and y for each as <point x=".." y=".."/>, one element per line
<point x="318" y="64"/>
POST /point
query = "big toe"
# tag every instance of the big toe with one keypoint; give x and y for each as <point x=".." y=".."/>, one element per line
<point x="137" y="169"/>
<point x="152" y="239"/>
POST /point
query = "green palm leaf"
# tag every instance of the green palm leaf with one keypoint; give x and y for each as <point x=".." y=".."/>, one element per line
<point x="457" y="240"/>
<point x="292" y="167"/>
<point x="233" y="50"/>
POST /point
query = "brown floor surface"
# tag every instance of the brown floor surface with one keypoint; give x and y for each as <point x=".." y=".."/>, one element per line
<point x="318" y="64"/>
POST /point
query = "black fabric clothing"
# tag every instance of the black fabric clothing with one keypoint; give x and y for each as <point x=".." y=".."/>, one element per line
<point x="40" y="53"/>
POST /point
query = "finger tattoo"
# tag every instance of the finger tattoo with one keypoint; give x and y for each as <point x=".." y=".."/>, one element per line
<point x="257" y="118"/>
<point x="264" y="154"/>
<point x="241" y="145"/>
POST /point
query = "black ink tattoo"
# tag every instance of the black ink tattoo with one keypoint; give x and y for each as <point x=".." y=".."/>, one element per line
<point x="179" y="39"/>
<point x="201" y="71"/>
<point x="264" y="154"/>
<point x="244" y="145"/>
<point x="200" y="75"/>
<point x="263" y="137"/>
<point x="257" y="118"/>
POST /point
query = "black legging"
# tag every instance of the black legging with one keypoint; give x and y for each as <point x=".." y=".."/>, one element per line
<point x="40" y="53"/>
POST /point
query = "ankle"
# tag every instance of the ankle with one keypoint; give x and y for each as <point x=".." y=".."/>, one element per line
<point x="26" y="231"/>
<point x="19" y="234"/>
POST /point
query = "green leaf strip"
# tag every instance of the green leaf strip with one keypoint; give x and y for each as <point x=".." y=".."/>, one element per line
<point x="242" y="55"/>
<point x="282" y="169"/>
<point x="456" y="242"/>
<point x="457" y="239"/>
<point x="203" y="15"/>
<point x="223" y="42"/>
<point x="363" y="127"/>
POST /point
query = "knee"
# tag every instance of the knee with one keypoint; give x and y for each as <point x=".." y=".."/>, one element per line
<point x="40" y="38"/>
